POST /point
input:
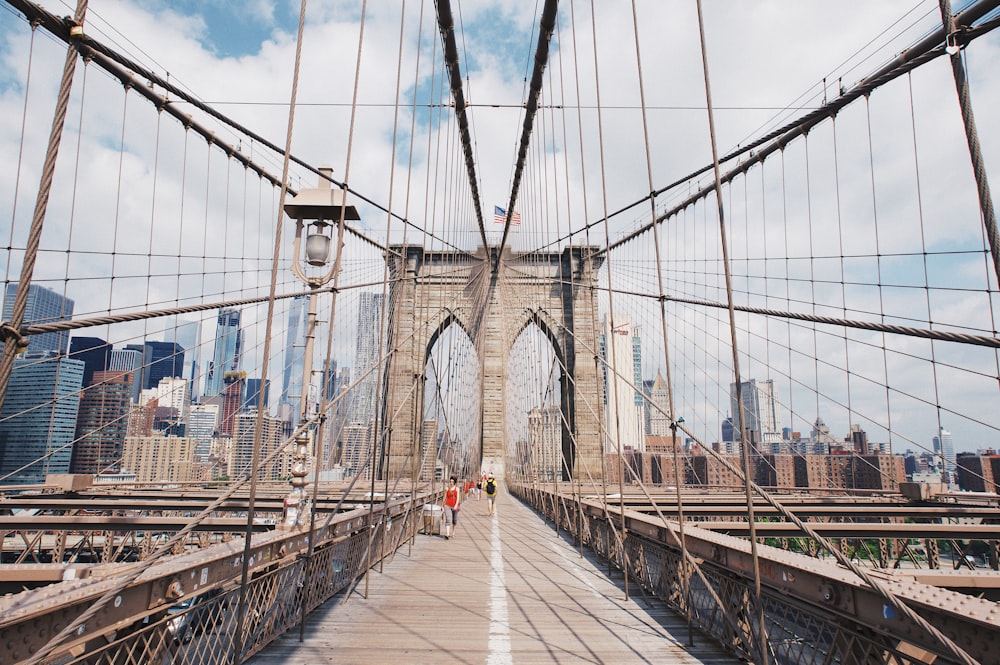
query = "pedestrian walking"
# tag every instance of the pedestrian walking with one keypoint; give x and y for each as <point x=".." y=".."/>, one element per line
<point x="452" y="503"/>
<point x="490" y="489"/>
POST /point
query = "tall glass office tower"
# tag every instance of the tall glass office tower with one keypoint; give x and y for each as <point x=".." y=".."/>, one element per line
<point x="226" y="358"/>
<point x="38" y="417"/>
<point x="366" y="357"/>
<point x="43" y="306"/>
<point x="187" y="334"/>
<point x="294" y="362"/>
<point x="760" y="412"/>
<point x="622" y="350"/>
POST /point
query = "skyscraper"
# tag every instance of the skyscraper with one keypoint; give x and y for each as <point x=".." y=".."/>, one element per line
<point x="175" y="394"/>
<point x="128" y="360"/>
<point x="659" y="394"/>
<point x="201" y="424"/>
<point x="102" y="423"/>
<point x="257" y="398"/>
<point x="760" y="412"/>
<point x="232" y="401"/>
<point x="366" y="357"/>
<point x="226" y="357"/>
<point x="271" y="438"/>
<point x="43" y="306"/>
<point x="38" y="417"/>
<point x="945" y="447"/>
<point x="294" y="362"/>
<point x="187" y="334"/>
<point x="161" y="360"/>
<point x="94" y="352"/>
<point x="623" y="366"/>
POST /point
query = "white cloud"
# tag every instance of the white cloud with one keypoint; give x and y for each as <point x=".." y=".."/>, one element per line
<point x="763" y="56"/>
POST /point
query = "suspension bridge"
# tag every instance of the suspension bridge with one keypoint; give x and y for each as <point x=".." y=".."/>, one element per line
<point x="733" y="360"/>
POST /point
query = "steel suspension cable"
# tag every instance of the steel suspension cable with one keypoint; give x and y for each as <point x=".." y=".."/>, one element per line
<point x="876" y="585"/>
<point x="926" y="50"/>
<point x="9" y="330"/>
<point x="574" y="473"/>
<point x="446" y="24"/>
<point x="545" y="27"/>
<point x="685" y="576"/>
<point x="762" y="639"/>
<point x="587" y="259"/>
<point x="134" y="76"/>
<point x="238" y="636"/>
<point x="953" y="33"/>
<point x="610" y="329"/>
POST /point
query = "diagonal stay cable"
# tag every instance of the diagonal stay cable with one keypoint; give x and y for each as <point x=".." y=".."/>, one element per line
<point x="447" y="26"/>
<point x="546" y="26"/>
<point x="927" y="49"/>
<point x="104" y="55"/>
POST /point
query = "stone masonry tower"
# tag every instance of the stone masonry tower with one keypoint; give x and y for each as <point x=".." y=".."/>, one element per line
<point x="433" y="290"/>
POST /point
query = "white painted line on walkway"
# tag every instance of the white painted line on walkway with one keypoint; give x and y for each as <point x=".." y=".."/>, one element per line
<point x="499" y="642"/>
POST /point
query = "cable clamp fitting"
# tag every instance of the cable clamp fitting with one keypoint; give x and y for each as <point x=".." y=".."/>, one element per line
<point x="9" y="333"/>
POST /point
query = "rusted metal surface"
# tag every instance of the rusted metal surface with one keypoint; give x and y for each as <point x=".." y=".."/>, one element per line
<point x="816" y="611"/>
<point x="136" y="626"/>
<point x="860" y="530"/>
<point x="119" y="524"/>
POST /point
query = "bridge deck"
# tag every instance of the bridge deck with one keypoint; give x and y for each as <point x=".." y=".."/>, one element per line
<point x="503" y="590"/>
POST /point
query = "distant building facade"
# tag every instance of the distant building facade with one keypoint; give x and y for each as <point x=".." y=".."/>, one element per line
<point x="227" y="353"/>
<point x="102" y="423"/>
<point x="160" y="458"/>
<point x="38" y="417"/>
<point x="42" y="306"/>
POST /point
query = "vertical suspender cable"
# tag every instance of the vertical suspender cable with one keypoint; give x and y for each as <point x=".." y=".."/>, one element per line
<point x="685" y="574"/>
<point x="237" y="641"/>
<point x="609" y="340"/>
<point x="587" y="264"/>
<point x="575" y="470"/>
<point x="9" y="331"/>
<point x="388" y="384"/>
<point x="745" y="453"/>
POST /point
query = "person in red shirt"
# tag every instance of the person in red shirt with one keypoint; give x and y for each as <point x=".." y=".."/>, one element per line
<point x="452" y="502"/>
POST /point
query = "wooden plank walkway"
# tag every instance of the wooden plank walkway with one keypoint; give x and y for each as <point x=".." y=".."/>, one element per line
<point x="504" y="590"/>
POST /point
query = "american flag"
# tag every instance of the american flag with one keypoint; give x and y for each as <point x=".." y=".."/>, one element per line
<point x="500" y="216"/>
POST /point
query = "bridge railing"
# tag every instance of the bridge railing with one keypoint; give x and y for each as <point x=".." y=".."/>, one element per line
<point x="184" y="609"/>
<point x="815" y="612"/>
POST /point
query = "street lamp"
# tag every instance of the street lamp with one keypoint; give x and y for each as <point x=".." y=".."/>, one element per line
<point x="316" y="211"/>
<point x="321" y="209"/>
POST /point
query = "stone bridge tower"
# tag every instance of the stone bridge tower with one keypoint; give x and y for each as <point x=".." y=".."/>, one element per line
<point x="431" y="290"/>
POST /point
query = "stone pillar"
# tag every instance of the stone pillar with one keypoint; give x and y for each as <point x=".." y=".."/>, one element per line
<point x="405" y="365"/>
<point x="579" y="277"/>
<point x="493" y="355"/>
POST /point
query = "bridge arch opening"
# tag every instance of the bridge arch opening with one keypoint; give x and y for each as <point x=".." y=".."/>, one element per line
<point x="451" y="431"/>
<point x="538" y="442"/>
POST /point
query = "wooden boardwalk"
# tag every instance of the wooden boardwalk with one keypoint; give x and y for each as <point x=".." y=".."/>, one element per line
<point x="504" y="590"/>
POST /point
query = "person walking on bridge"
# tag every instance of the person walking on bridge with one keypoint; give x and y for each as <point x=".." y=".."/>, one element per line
<point x="490" y="488"/>
<point x="452" y="501"/>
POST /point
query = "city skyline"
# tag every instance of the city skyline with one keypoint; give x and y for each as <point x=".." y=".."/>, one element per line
<point x="153" y="361"/>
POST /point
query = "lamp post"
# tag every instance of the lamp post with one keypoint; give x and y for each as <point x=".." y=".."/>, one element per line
<point x="315" y="211"/>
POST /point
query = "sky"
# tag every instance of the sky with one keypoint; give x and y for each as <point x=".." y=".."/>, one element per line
<point x="768" y="61"/>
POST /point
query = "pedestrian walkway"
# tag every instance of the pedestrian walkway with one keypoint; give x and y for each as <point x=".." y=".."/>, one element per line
<point x="504" y="590"/>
